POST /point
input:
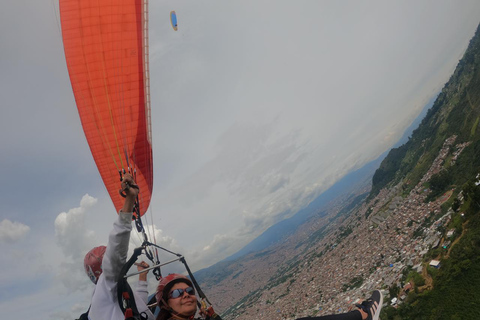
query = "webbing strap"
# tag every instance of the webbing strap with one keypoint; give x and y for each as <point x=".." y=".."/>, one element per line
<point x="197" y="287"/>
<point x="126" y="300"/>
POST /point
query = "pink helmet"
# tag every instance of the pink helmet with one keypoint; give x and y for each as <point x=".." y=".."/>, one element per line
<point x="93" y="263"/>
<point x="165" y="284"/>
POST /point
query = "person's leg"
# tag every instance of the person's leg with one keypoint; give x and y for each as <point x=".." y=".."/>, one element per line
<point x="353" y="315"/>
<point x="368" y="310"/>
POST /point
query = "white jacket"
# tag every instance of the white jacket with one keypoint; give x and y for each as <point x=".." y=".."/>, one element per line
<point x="104" y="304"/>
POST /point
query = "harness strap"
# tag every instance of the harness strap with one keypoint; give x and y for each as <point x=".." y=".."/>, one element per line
<point x="210" y="313"/>
<point x="152" y="304"/>
<point x="197" y="287"/>
<point x="126" y="299"/>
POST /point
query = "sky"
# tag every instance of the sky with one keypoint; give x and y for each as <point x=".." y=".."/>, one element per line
<point x="257" y="108"/>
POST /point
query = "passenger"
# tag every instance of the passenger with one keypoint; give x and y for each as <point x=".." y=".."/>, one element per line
<point x="176" y="297"/>
<point x="176" y="300"/>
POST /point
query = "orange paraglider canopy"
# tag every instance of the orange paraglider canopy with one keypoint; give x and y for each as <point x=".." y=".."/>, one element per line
<point x="105" y="44"/>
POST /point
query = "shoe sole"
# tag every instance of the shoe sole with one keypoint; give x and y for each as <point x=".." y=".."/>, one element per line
<point x="380" y="304"/>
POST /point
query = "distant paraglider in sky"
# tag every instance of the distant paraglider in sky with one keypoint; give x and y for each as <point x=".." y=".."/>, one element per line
<point x="173" y="20"/>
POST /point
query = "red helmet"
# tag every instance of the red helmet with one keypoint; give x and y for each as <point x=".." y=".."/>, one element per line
<point x="165" y="284"/>
<point x="93" y="263"/>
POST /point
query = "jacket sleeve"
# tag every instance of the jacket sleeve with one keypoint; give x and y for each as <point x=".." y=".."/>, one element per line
<point x="117" y="249"/>
<point x="142" y="291"/>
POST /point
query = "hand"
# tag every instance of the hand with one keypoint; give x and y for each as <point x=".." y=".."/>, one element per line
<point x="130" y="192"/>
<point x="142" y="266"/>
<point x="128" y="186"/>
<point x="206" y="312"/>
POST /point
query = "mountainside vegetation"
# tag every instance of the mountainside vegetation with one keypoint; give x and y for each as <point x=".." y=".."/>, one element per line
<point x="455" y="112"/>
<point x="455" y="287"/>
<point x="456" y="284"/>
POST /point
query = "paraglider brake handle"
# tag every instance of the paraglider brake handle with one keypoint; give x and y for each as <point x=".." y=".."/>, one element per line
<point x="127" y="186"/>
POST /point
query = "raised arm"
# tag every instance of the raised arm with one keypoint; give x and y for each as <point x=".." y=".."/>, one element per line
<point x="141" y="288"/>
<point x="117" y="247"/>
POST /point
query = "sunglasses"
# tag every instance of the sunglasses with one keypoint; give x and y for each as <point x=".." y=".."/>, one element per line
<point x="177" y="293"/>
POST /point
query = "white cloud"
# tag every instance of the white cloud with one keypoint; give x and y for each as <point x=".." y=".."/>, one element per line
<point x="156" y="236"/>
<point x="71" y="232"/>
<point x="75" y="240"/>
<point x="44" y="301"/>
<point x="87" y="201"/>
<point x="11" y="232"/>
<point x="219" y="243"/>
<point x="220" y="247"/>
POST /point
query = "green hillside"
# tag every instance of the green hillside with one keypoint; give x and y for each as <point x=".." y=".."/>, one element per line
<point x="456" y="285"/>
<point x="455" y="290"/>
<point x="455" y="112"/>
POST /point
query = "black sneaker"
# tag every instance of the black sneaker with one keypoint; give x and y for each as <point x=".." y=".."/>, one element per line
<point x="372" y="305"/>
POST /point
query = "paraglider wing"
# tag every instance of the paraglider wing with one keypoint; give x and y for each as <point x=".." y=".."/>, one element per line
<point x="105" y="44"/>
<point x="173" y="20"/>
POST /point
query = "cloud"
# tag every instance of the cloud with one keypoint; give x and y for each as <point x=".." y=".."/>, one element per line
<point x="63" y="315"/>
<point x="219" y="243"/>
<point x="70" y="229"/>
<point x="75" y="240"/>
<point x="156" y="236"/>
<point x="221" y="246"/>
<point x="45" y="300"/>
<point x="11" y="232"/>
